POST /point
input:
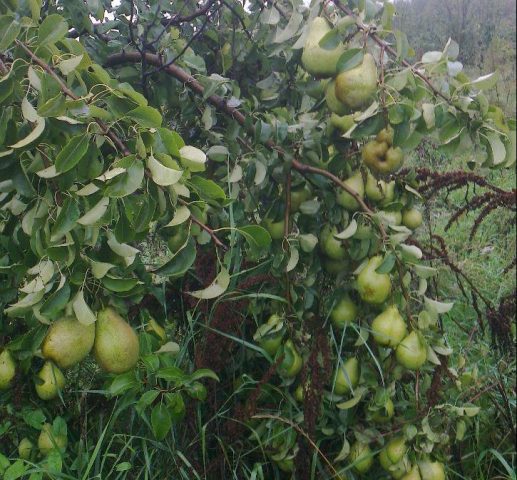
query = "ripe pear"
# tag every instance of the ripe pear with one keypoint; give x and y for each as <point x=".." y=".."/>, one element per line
<point x="343" y="313"/>
<point x="347" y="376"/>
<point x="333" y="103"/>
<point x="412" y="351"/>
<point x="413" y="474"/>
<point x="25" y="448"/>
<point x="116" y="346"/>
<point x="389" y="328"/>
<point x="373" y="287"/>
<point x="394" y="159"/>
<point x="68" y="342"/>
<point x="381" y="158"/>
<point x="318" y="61"/>
<point x="412" y="218"/>
<point x="431" y="470"/>
<point x="356" y="183"/>
<point x="53" y="381"/>
<point x="7" y="369"/>
<point x="379" y="190"/>
<point x="361" y="456"/>
<point x="275" y="229"/>
<point x="390" y="217"/>
<point x="356" y="87"/>
<point x="47" y="441"/>
<point x="330" y="246"/>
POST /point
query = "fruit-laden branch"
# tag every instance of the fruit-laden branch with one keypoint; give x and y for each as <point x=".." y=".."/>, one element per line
<point x="104" y="128"/>
<point x="388" y="48"/>
<point x="221" y="104"/>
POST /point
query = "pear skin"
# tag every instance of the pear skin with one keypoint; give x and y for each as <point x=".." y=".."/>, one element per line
<point x="356" y="87"/>
<point x="333" y="103"/>
<point x="347" y="376"/>
<point x="116" y="346"/>
<point x="68" y="342"/>
<point x="47" y="441"/>
<point x="412" y="351"/>
<point x="356" y="183"/>
<point x="389" y="328"/>
<point x="373" y="287"/>
<point x="412" y="218"/>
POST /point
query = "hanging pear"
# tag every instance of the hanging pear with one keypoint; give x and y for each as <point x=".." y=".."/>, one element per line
<point x="373" y="287"/>
<point x="52" y="379"/>
<point x="356" y="87"/>
<point x="116" y="346"/>
<point x="412" y="351"/>
<point x="356" y="183"/>
<point x="316" y="60"/>
<point x="7" y="369"/>
<point x="347" y="376"/>
<point x="68" y="342"/>
<point x="48" y="441"/>
<point x="361" y="456"/>
<point x="333" y="103"/>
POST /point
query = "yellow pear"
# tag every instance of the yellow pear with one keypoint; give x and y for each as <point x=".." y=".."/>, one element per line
<point x="333" y="103"/>
<point x="68" y="342"/>
<point x="373" y="287"/>
<point x="389" y="328"/>
<point x="356" y="87"/>
<point x="318" y="61"/>
<point x="116" y="346"/>
<point x="347" y="376"/>
<point x="356" y="183"/>
<point x="53" y="381"/>
<point x="386" y="135"/>
<point x="47" y="441"/>
<point x="412" y="351"/>
<point x="7" y="369"/>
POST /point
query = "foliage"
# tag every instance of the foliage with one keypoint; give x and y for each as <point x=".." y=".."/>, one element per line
<point x="195" y="182"/>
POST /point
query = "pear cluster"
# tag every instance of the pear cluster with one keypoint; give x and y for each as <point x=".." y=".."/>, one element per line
<point x="380" y="155"/>
<point x="67" y="342"/>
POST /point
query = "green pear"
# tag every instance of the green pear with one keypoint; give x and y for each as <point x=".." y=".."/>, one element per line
<point x="116" y="346"/>
<point x="381" y="158"/>
<point x="395" y="449"/>
<point x="7" y="369"/>
<point x="47" y="441"/>
<point x="275" y="228"/>
<point x="396" y="470"/>
<point x="413" y="474"/>
<point x="292" y="362"/>
<point x="270" y="335"/>
<point x="412" y="351"/>
<point x="68" y="342"/>
<point x="431" y="470"/>
<point x="298" y="196"/>
<point x="333" y="103"/>
<point x="394" y="159"/>
<point x="379" y="190"/>
<point x="343" y="123"/>
<point x="386" y="135"/>
<point x="330" y="246"/>
<point x="390" y="217"/>
<point x="389" y="328"/>
<point x="298" y="394"/>
<point x="347" y="376"/>
<point x="25" y="448"/>
<point x="316" y="60"/>
<point x="412" y="218"/>
<point x="356" y="87"/>
<point x="356" y="183"/>
<point x="385" y="414"/>
<point x="53" y="381"/>
<point x="343" y="313"/>
<point x="361" y="456"/>
<point x="373" y="287"/>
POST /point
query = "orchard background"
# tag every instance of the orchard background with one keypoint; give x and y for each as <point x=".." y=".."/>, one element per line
<point x="257" y="239"/>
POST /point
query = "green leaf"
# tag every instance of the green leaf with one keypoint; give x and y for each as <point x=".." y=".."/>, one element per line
<point x="172" y="374"/>
<point x="66" y="219"/>
<point x="145" y="116"/>
<point x="119" y="285"/>
<point x="497" y="148"/>
<point x="123" y="383"/>
<point x="387" y="264"/>
<point x="56" y="302"/>
<point x="9" y="30"/>
<point x="485" y="82"/>
<point x="52" y="29"/>
<point x="180" y="263"/>
<point x="38" y="130"/>
<point x="16" y="470"/>
<point x="350" y="59"/>
<point x="204" y="373"/>
<point x="256" y="236"/>
<point x="161" y="421"/>
<point x="207" y="189"/>
<point x="72" y="153"/>
<point x="216" y="288"/>
<point x="128" y="182"/>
